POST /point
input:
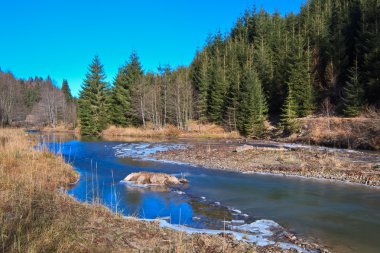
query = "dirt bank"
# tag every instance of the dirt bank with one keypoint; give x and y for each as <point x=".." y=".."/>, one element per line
<point x="341" y="166"/>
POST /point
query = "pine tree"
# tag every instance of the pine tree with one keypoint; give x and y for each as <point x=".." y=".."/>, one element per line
<point x="300" y="83"/>
<point x="217" y="91"/>
<point x="66" y="91"/>
<point x="120" y="99"/>
<point x="353" y="93"/>
<point x="252" y="105"/>
<point x="199" y="78"/>
<point x="289" y="113"/>
<point x="133" y="77"/>
<point x="232" y="97"/>
<point x="93" y="100"/>
<point x="371" y="68"/>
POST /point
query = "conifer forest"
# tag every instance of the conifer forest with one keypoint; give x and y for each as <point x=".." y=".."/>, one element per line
<point x="269" y="67"/>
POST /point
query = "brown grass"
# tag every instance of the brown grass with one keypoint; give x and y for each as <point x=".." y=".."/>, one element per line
<point x="359" y="132"/>
<point x="196" y="130"/>
<point x="35" y="216"/>
<point x="60" y="128"/>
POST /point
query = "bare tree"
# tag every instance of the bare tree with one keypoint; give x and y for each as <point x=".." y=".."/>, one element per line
<point x="8" y="88"/>
<point x="181" y="95"/>
<point x="49" y="110"/>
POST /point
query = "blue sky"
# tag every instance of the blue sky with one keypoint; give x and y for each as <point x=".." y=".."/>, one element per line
<point x="60" y="37"/>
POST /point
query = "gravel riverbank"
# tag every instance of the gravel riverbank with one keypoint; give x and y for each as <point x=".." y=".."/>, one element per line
<point x="346" y="166"/>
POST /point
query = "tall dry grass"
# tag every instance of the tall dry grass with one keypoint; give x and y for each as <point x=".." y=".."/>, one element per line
<point x="360" y="132"/>
<point x="195" y="130"/>
<point x="37" y="216"/>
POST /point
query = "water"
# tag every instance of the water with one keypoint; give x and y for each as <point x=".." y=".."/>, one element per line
<point x="345" y="218"/>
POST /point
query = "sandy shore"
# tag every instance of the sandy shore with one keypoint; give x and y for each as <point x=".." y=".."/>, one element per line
<point x="319" y="164"/>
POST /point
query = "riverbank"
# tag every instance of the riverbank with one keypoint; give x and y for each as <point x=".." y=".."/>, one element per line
<point x="292" y="161"/>
<point x="36" y="215"/>
<point x="355" y="133"/>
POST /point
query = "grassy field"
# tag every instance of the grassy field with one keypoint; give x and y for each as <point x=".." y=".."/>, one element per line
<point x="37" y="216"/>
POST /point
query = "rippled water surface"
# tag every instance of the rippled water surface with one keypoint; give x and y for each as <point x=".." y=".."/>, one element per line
<point x="345" y="218"/>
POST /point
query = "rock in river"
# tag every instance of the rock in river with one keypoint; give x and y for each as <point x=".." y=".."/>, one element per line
<point x="150" y="178"/>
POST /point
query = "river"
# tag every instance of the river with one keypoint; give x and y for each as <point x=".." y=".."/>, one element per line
<point x="342" y="217"/>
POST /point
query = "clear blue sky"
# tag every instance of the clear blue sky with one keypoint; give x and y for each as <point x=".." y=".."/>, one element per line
<point x="60" y="37"/>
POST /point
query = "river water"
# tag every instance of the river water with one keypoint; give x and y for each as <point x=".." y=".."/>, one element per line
<point x="342" y="217"/>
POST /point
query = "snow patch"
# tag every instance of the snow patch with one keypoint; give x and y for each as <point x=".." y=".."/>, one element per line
<point x="143" y="150"/>
<point x="236" y="211"/>
<point x="259" y="233"/>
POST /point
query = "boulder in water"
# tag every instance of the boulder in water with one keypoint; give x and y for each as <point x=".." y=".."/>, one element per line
<point x="150" y="178"/>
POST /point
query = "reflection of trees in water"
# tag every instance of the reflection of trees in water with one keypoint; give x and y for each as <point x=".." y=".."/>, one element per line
<point x="133" y="196"/>
<point x="277" y="194"/>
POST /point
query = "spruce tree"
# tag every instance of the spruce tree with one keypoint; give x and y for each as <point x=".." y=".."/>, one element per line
<point x="199" y="79"/>
<point x="93" y="100"/>
<point x="252" y="105"/>
<point x="300" y="83"/>
<point x="289" y="113"/>
<point x="232" y="97"/>
<point x="66" y="91"/>
<point x="217" y="91"/>
<point x="353" y="93"/>
<point x="133" y="76"/>
<point x="120" y="99"/>
<point x="371" y="76"/>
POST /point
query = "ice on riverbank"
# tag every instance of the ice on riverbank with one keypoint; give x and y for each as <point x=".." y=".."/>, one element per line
<point x="259" y="232"/>
<point x="143" y="150"/>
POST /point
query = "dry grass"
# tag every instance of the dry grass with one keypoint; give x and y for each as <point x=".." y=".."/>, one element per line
<point x="169" y="131"/>
<point x="35" y="216"/>
<point x="196" y="130"/>
<point x="360" y="132"/>
<point x="60" y="128"/>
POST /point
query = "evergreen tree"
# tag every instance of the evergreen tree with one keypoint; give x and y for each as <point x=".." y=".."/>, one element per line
<point x="120" y="99"/>
<point x="353" y="93"/>
<point x="300" y="83"/>
<point x="199" y="78"/>
<point x="336" y="47"/>
<point x="232" y="97"/>
<point x="93" y="100"/>
<point x="252" y="105"/>
<point x="371" y="68"/>
<point x="133" y="77"/>
<point x="66" y="91"/>
<point x="217" y="91"/>
<point x="289" y="113"/>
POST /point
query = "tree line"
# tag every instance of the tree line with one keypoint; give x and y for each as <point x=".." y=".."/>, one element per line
<point x="269" y="66"/>
<point x="35" y="102"/>
<point x="135" y="98"/>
